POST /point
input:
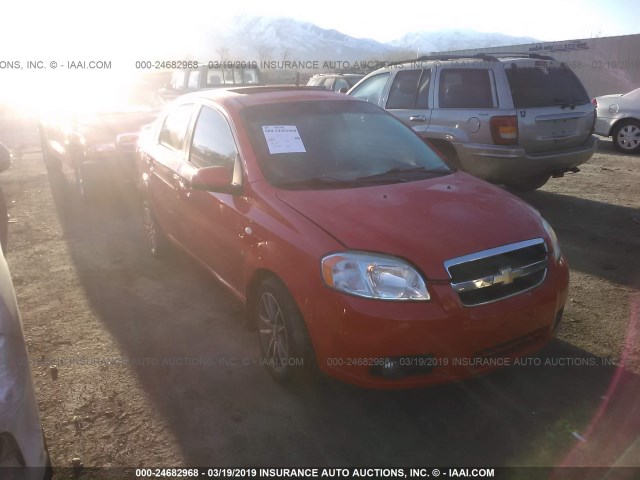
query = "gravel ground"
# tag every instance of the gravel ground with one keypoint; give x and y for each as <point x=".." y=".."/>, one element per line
<point x="113" y="320"/>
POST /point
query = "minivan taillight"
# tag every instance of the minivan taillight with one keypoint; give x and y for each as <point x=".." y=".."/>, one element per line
<point x="594" y="102"/>
<point x="504" y="130"/>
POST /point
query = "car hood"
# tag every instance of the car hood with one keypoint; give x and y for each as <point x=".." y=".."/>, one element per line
<point x="425" y="222"/>
<point x="115" y="123"/>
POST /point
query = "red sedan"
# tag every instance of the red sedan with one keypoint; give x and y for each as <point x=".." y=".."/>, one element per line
<point x="358" y="251"/>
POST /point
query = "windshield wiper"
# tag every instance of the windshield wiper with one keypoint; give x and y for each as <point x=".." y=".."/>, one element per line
<point x="399" y="171"/>
<point x="322" y="181"/>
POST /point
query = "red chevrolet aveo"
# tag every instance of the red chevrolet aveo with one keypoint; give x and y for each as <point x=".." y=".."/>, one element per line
<point x="358" y="251"/>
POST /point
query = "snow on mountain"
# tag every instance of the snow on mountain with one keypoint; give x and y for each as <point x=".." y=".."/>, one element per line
<point x="279" y="38"/>
<point x="452" y="39"/>
<point x="267" y="38"/>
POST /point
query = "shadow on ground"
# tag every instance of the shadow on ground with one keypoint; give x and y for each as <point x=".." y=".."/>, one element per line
<point x="230" y="413"/>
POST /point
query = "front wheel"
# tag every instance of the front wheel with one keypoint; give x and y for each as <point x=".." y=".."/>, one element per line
<point x="286" y="349"/>
<point x="528" y="185"/>
<point x="626" y="137"/>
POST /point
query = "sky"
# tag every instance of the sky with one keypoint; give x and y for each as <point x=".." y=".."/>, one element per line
<point x="70" y="24"/>
<point x="126" y="30"/>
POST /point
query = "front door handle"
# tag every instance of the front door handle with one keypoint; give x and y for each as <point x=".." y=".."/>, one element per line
<point x="183" y="184"/>
<point x="417" y="118"/>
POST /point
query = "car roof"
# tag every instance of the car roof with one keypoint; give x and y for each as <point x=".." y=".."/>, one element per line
<point x="241" y="97"/>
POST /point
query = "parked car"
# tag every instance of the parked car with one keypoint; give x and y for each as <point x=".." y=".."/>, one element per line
<point x="336" y="82"/>
<point x="98" y="146"/>
<point x="205" y="76"/>
<point x="22" y="442"/>
<point x="619" y="117"/>
<point x="357" y="250"/>
<point x="516" y="120"/>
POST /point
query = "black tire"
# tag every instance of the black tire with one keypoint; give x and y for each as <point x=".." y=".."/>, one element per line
<point x="81" y="184"/>
<point x="626" y="136"/>
<point x="528" y="185"/>
<point x="286" y="349"/>
<point x="157" y="243"/>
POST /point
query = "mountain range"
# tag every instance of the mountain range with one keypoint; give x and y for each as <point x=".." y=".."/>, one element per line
<point x="279" y="38"/>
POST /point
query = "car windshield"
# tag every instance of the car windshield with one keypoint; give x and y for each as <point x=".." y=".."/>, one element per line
<point x="543" y="86"/>
<point x="337" y="144"/>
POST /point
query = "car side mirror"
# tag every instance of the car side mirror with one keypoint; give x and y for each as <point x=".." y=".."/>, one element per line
<point x="214" y="179"/>
<point x="5" y="158"/>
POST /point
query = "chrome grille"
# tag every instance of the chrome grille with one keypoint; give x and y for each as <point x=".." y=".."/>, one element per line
<point x="498" y="273"/>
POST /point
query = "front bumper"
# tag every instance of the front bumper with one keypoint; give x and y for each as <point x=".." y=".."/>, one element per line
<point x="512" y="164"/>
<point x="353" y="336"/>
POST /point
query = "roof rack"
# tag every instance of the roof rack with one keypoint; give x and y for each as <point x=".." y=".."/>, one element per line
<point x="522" y="55"/>
<point x="480" y="56"/>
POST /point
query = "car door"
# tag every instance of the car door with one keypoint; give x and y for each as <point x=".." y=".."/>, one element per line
<point x="163" y="160"/>
<point x="409" y="98"/>
<point x="214" y="221"/>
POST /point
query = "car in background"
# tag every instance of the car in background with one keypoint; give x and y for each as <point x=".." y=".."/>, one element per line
<point x="22" y="442"/>
<point x="97" y="145"/>
<point x="336" y="82"/>
<point x="358" y="251"/>
<point x="513" y="119"/>
<point x="205" y="76"/>
<point x="619" y="118"/>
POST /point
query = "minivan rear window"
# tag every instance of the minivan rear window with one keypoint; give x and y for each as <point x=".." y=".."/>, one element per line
<point x="543" y="86"/>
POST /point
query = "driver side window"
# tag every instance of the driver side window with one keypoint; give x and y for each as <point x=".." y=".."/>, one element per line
<point x="371" y="89"/>
<point x="213" y="144"/>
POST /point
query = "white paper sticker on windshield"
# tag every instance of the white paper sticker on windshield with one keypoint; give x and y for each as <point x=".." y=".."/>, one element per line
<point x="283" y="139"/>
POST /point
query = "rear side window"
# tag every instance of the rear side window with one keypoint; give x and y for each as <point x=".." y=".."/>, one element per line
<point x="177" y="80"/>
<point x="214" y="77"/>
<point x="465" y="88"/>
<point x="410" y="89"/>
<point x="194" y="79"/>
<point x="340" y="84"/>
<point x="371" y="89"/>
<point x="213" y="144"/>
<point x="543" y="86"/>
<point x="175" y="127"/>
<point x="328" y="83"/>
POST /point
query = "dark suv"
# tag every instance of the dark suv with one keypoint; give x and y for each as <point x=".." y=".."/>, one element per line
<point x="207" y="76"/>
<point x="514" y="119"/>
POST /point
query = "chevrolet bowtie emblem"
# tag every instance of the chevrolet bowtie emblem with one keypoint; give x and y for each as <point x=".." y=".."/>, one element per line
<point x="507" y="276"/>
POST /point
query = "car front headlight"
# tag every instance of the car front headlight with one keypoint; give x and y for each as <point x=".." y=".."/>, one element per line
<point x="373" y="276"/>
<point x="554" y="240"/>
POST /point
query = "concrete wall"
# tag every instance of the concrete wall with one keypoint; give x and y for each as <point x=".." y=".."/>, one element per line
<point x="604" y="65"/>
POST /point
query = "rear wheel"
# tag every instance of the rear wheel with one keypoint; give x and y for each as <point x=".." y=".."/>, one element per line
<point x="626" y="136"/>
<point x="528" y="185"/>
<point x="286" y="348"/>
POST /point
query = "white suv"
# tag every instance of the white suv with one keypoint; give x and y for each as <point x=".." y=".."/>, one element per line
<point x="514" y="119"/>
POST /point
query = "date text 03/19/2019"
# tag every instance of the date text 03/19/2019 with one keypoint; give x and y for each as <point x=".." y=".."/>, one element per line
<point x="211" y="472"/>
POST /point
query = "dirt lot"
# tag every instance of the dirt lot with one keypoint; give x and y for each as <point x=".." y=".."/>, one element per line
<point x="115" y="322"/>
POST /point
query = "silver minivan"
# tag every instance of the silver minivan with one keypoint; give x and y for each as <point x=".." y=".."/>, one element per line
<point x="516" y="119"/>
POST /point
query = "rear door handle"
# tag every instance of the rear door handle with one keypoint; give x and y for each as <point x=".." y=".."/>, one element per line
<point x="417" y="118"/>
